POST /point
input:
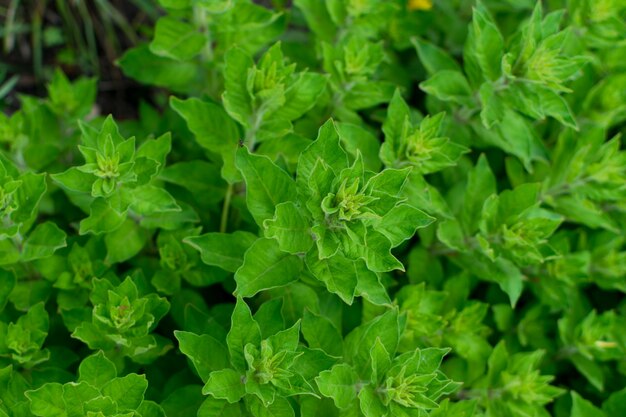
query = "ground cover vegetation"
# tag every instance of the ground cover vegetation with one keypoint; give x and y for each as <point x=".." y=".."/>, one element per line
<point x="332" y="208"/>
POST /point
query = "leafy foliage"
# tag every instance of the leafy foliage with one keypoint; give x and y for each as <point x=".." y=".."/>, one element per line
<point x="332" y="208"/>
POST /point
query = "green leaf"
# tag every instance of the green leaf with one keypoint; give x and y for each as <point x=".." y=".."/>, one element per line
<point x="9" y="254"/>
<point x="216" y="6"/>
<point x="370" y="402"/>
<point x="192" y="175"/>
<point x="279" y="408"/>
<point x="175" y="39"/>
<point x="264" y="267"/>
<point x="207" y="353"/>
<point x="243" y="330"/>
<point x="156" y="149"/>
<point x="465" y="408"/>
<point x="336" y="272"/>
<point x="75" y="395"/>
<point x="127" y="391"/>
<point x="270" y="317"/>
<point x="174" y="4"/>
<point x="540" y="102"/>
<point x="258" y="26"/>
<point x="555" y="106"/>
<point x="213" y="129"/>
<point x="318" y="18"/>
<point x="368" y="285"/>
<point x="125" y="242"/>
<point x="500" y="270"/>
<point x="183" y="401"/>
<point x="492" y="106"/>
<point x="401" y="223"/>
<point x="302" y="95"/>
<point x="42" y="242"/>
<point x="481" y="184"/>
<point x="267" y="185"/>
<point x="321" y="333"/>
<point x="519" y="138"/>
<point x="433" y="58"/>
<point x="484" y="46"/>
<point x="590" y="369"/>
<point x="96" y="370"/>
<point x="100" y="404"/>
<point x="615" y="404"/>
<point x="355" y="139"/>
<point x="226" y="384"/>
<point x="7" y="283"/>
<point x="164" y="72"/>
<point x="358" y="342"/>
<point x="381" y="361"/>
<point x="73" y="99"/>
<point x="312" y="407"/>
<point x="326" y="148"/>
<point x="212" y="407"/>
<point x="102" y="218"/>
<point x="47" y="401"/>
<point x="74" y="180"/>
<point x="378" y="255"/>
<point x="395" y="128"/>
<point x="290" y="227"/>
<point x="149" y="199"/>
<point x="28" y="196"/>
<point x="450" y="233"/>
<point x="449" y="85"/>
<point x="364" y="95"/>
<point x="236" y="98"/>
<point x="339" y="383"/>
<point x="222" y="249"/>
<point x="584" y="408"/>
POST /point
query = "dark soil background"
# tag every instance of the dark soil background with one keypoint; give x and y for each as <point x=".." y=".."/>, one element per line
<point x="83" y="38"/>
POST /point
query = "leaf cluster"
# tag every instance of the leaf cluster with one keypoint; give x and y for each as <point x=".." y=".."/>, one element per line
<point x="328" y="208"/>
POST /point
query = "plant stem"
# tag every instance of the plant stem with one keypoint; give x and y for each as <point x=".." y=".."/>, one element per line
<point x="255" y="124"/>
<point x="226" y="209"/>
<point x="249" y="141"/>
